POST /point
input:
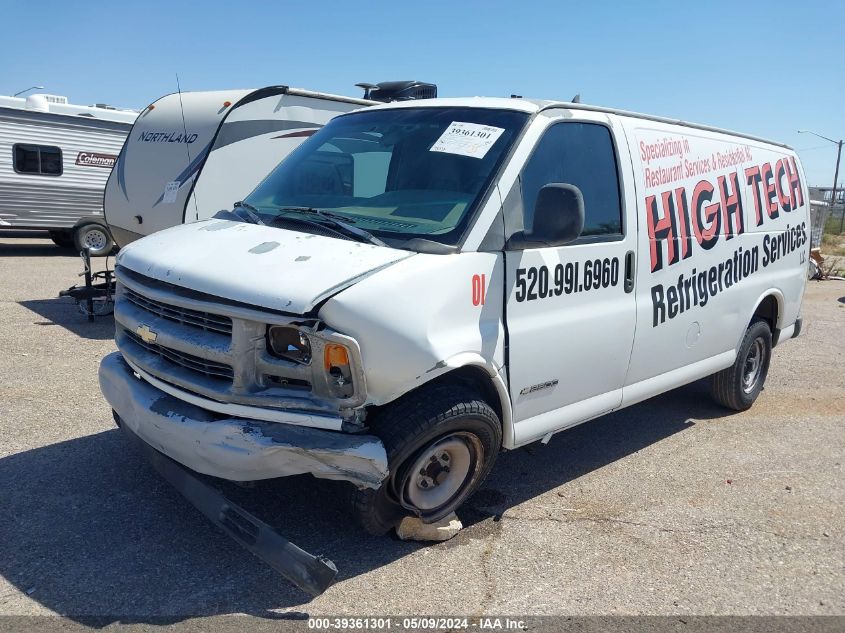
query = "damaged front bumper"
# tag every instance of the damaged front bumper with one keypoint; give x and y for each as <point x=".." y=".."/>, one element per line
<point x="234" y="448"/>
<point x="313" y="574"/>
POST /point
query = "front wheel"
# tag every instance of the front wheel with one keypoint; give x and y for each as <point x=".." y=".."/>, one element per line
<point x="738" y="386"/>
<point x="441" y="443"/>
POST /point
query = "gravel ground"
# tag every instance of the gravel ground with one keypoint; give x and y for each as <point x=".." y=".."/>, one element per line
<point x="670" y="507"/>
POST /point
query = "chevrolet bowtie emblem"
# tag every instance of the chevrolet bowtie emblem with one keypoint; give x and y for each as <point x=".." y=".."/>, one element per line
<point x="146" y="334"/>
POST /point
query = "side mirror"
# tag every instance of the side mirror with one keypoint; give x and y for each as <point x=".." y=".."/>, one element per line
<point x="558" y="218"/>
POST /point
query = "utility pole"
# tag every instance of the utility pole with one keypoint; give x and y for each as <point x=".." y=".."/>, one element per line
<point x="833" y="193"/>
<point x="835" y="176"/>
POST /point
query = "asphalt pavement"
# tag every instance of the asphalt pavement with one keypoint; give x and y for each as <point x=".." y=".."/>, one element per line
<point x="674" y="506"/>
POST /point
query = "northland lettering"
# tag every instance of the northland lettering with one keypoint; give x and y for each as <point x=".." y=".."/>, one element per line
<point x="166" y="137"/>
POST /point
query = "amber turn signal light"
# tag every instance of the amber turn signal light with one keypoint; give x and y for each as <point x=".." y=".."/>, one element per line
<point x="335" y="356"/>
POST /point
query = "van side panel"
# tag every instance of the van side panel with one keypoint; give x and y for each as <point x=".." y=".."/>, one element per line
<point x="723" y="223"/>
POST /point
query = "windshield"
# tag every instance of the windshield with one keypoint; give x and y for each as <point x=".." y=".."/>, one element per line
<point x="396" y="174"/>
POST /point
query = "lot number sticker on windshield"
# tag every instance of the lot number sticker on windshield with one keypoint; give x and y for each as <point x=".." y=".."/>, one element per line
<point x="467" y="139"/>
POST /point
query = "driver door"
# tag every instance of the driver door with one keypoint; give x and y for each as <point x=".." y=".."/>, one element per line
<point x="570" y="309"/>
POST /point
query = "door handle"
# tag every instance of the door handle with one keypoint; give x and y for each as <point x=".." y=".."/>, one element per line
<point x="630" y="271"/>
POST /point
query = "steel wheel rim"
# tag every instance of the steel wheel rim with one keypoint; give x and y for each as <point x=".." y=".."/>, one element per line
<point x="94" y="240"/>
<point x="753" y="366"/>
<point x="442" y="472"/>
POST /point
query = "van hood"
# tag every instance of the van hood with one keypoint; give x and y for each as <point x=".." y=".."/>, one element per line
<point x="257" y="265"/>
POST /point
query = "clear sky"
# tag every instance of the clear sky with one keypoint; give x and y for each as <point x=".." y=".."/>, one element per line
<point x="767" y="68"/>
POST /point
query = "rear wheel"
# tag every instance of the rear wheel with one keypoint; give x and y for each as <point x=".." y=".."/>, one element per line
<point x="95" y="237"/>
<point x="441" y="443"/>
<point x="738" y="386"/>
<point x="63" y="239"/>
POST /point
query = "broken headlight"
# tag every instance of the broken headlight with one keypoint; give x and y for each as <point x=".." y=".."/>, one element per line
<point x="288" y="343"/>
<point x="338" y="366"/>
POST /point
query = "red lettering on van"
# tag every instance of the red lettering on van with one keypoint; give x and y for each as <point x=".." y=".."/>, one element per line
<point x="731" y="205"/>
<point x="769" y="190"/>
<point x="707" y="219"/>
<point x="661" y="229"/>
<point x="752" y="177"/>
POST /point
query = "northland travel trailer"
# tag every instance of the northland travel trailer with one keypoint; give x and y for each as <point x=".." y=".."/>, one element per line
<point x="192" y="154"/>
<point x="481" y="274"/>
<point x="55" y="158"/>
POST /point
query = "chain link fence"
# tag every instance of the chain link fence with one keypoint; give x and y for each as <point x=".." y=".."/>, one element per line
<point x="819" y="213"/>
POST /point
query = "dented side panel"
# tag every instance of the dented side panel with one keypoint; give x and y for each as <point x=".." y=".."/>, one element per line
<point x="423" y="317"/>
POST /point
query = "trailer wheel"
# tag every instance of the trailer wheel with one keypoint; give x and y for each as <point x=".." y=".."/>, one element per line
<point x="738" y="386"/>
<point x="441" y="443"/>
<point x="95" y="237"/>
<point x="63" y="239"/>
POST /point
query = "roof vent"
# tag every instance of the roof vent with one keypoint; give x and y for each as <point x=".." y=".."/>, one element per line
<point x="37" y="103"/>
<point x="388" y="91"/>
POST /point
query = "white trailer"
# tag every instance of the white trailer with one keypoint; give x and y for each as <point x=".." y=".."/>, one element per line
<point x="192" y="154"/>
<point x="55" y="158"/>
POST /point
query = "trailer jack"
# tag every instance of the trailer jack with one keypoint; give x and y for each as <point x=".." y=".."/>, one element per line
<point x="96" y="297"/>
<point x="312" y="574"/>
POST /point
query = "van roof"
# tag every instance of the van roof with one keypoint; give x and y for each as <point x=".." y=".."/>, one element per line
<point x="533" y="106"/>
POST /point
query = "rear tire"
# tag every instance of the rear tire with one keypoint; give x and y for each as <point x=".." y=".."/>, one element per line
<point x="441" y="443"/>
<point x="738" y="386"/>
<point x="63" y="239"/>
<point x="95" y="237"/>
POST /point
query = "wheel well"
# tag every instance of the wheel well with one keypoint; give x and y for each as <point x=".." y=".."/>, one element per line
<point x="84" y="221"/>
<point x="476" y="379"/>
<point x="768" y="311"/>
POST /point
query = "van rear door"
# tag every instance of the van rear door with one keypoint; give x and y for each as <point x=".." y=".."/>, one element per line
<point x="570" y="314"/>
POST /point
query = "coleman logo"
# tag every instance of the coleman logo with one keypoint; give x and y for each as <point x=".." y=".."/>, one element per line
<point x="146" y="334"/>
<point x="92" y="159"/>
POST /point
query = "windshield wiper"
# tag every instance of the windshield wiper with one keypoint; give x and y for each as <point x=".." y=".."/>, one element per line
<point x="336" y="220"/>
<point x="250" y="211"/>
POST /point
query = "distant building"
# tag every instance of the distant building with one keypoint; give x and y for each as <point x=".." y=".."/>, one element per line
<point x="823" y="194"/>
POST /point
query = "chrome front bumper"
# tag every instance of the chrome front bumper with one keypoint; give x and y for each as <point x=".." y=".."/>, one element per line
<point x="236" y="449"/>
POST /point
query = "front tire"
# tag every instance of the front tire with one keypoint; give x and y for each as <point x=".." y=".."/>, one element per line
<point x="738" y="386"/>
<point x="95" y="237"/>
<point x="441" y="443"/>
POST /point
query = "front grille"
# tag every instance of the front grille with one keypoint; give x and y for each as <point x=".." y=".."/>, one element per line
<point x="195" y="363"/>
<point x="214" y="348"/>
<point x="185" y="316"/>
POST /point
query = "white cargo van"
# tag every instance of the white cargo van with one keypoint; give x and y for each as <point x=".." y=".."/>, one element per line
<point x="421" y="285"/>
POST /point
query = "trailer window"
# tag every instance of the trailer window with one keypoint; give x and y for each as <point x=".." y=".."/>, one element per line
<point x="37" y="159"/>
<point x="580" y="154"/>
